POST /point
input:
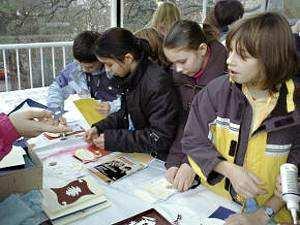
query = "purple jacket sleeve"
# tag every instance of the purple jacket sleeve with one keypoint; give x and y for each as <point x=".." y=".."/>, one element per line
<point x="294" y="155"/>
<point x="176" y="157"/>
<point x="8" y="134"/>
<point x="195" y="141"/>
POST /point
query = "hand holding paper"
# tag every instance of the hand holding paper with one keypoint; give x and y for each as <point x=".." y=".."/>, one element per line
<point x="90" y="135"/>
<point x="31" y="123"/>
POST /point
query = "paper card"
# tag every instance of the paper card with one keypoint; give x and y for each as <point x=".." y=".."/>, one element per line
<point x="84" y="155"/>
<point x="75" y="127"/>
<point x="143" y="158"/>
<point x="211" y="221"/>
<point x="14" y="158"/>
<point x="221" y="213"/>
<point x="89" y="154"/>
<point x="62" y="165"/>
<point x="98" y="152"/>
<point x="158" y="189"/>
<point x="88" y="109"/>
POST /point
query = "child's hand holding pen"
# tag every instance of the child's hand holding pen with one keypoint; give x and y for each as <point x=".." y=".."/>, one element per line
<point x="59" y="119"/>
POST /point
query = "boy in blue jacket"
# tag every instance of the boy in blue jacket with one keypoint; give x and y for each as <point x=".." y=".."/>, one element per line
<point x="85" y="76"/>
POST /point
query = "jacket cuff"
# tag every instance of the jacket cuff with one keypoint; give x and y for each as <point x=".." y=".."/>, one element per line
<point x="115" y="105"/>
<point x="7" y="129"/>
<point x="108" y="144"/>
<point x="99" y="130"/>
<point x="169" y="164"/>
<point x="8" y="133"/>
<point x="185" y="160"/>
<point x="212" y="176"/>
<point x="173" y="160"/>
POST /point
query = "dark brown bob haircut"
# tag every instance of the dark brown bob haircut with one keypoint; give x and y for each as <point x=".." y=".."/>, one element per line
<point x="84" y="46"/>
<point x="268" y="38"/>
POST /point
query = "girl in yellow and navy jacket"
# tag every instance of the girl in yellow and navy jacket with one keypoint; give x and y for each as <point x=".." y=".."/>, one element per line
<point x="244" y="125"/>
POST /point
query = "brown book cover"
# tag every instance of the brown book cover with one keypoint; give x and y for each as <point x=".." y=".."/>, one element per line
<point x="149" y="217"/>
<point x="72" y="197"/>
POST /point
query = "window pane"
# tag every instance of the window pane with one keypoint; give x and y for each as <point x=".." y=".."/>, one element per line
<point x="34" y="21"/>
<point x="138" y="13"/>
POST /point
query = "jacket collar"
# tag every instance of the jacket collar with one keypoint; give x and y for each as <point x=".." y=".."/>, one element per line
<point x="131" y="81"/>
<point x="284" y="114"/>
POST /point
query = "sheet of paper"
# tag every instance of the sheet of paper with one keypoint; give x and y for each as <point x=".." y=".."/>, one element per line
<point x="88" y="108"/>
<point x="157" y="189"/>
<point x="143" y="158"/>
<point x="14" y="158"/>
<point x="211" y="221"/>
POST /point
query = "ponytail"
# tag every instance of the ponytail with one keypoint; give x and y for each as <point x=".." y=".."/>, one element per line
<point x="144" y="47"/>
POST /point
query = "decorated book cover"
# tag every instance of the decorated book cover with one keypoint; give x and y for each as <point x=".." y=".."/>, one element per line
<point x="73" y="197"/>
<point x="149" y="217"/>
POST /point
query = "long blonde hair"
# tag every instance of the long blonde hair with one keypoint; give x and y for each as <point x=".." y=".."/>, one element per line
<point x="165" y="16"/>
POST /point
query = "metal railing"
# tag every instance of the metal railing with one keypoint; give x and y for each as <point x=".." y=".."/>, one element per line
<point x="41" y="46"/>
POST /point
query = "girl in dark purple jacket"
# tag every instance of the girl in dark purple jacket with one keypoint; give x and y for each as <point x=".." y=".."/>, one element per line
<point x="197" y="59"/>
<point x="148" y="117"/>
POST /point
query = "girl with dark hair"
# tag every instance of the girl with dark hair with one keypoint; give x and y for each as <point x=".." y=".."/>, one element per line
<point x="147" y="120"/>
<point x="197" y="59"/>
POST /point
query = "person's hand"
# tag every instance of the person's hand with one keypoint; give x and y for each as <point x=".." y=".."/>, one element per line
<point x="103" y="108"/>
<point x="184" y="177"/>
<point x="90" y="135"/>
<point x="244" y="182"/>
<point x="31" y="123"/>
<point x="181" y="178"/>
<point x="99" y="141"/>
<point x="258" y="218"/>
<point x="296" y="27"/>
<point x="171" y="173"/>
<point x="62" y="121"/>
<point x="278" y="190"/>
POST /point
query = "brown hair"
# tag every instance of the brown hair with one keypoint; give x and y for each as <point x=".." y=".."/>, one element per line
<point x="84" y="45"/>
<point x="155" y="40"/>
<point x="228" y="11"/>
<point x="186" y="34"/>
<point x="224" y="13"/>
<point x="268" y="38"/>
